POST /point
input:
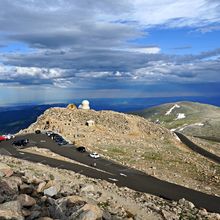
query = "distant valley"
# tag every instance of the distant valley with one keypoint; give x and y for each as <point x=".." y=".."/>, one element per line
<point x="14" y="119"/>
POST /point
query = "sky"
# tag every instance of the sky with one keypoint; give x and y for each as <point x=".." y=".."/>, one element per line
<point x="53" y="50"/>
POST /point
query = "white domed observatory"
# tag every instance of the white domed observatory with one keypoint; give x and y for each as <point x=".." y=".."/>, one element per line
<point x="84" y="105"/>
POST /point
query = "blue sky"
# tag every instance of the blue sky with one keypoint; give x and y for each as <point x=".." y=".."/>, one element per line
<point x="57" y="49"/>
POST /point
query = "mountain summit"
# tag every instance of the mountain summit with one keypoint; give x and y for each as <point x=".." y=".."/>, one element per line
<point x="133" y="141"/>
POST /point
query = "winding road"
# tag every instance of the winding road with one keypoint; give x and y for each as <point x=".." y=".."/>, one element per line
<point x="109" y="171"/>
<point x="198" y="149"/>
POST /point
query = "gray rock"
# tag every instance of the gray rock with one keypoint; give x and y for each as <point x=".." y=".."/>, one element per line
<point x="34" y="215"/>
<point x="186" y="203"/>
<point x="57" y="212"/>
<point x="51" y="191"/>
<point x="26" y="189"/>
<point x="106" y="215"/>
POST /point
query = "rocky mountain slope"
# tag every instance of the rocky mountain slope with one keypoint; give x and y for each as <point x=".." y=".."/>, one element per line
<point x="135" y="142"/>
<point x="190" y="118"/>
<point x="35" y="191"/>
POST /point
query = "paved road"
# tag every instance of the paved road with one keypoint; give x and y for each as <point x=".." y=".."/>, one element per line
<point x="198" y="149"/>
<point x="215" y="139"/>
<point x="111" y="171"/>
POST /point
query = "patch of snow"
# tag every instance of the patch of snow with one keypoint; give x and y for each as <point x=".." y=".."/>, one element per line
<point x="171" y="109"/>
<point x="177" y="137"/>
<point x="199" y="124"/>
<point x="181" y="129"/>
<point x="180" y="116"/>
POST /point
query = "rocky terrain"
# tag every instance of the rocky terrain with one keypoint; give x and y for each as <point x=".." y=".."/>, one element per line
<point x="135" y="142"/>
<point x="35" y="191"/>
<point x="190" y="118"/>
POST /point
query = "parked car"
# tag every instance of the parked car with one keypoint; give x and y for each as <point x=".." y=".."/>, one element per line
<point x="62" y="142"/>
<point x="21" y="142"/>
<point x="49" y="133"/>
<point x="59" y="139"/>
<point x="94" y="155"/>
<point x="2" y="138"/>
<point x="54" y="135"/>
<point x="9" y="136"/>
<point x="81" y="149"/>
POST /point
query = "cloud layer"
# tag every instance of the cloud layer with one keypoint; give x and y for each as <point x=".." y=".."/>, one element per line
<point x="77" y="44"/>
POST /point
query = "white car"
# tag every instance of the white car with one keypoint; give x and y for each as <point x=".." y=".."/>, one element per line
<point x="9" y="136"/>
<point x="49" y="133"/>
<point x="94" y="155"/>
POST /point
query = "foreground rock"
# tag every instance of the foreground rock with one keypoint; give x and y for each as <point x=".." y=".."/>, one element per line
<point x="79" y="198"/>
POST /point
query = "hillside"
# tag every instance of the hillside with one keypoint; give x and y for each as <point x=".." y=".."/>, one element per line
<point x="190" y="118"/>
<point x="135" y="142"/>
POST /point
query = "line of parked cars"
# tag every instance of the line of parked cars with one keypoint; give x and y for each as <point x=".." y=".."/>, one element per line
<point x="54" y="136"/>
<point x="61" y="141"/>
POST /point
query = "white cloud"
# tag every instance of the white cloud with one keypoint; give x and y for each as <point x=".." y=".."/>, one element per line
<point x="146" y="50"/>
<point x="177" y="13"/>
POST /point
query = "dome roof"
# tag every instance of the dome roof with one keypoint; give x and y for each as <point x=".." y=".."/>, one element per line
<point x="85" y="102"/>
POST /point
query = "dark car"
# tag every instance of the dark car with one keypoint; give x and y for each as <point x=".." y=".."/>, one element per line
<point x="62" y="142"/>
<point x="21" y="142"/>
<point x="53" y="136"/>
<point x="59" y="139"/>
<point x="81" y="149"/>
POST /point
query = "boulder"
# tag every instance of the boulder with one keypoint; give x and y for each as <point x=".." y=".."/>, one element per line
<point x="11" y="210"/>
<point x="186" y="203"/>
<point x="74" y="201"/>
<point x="88" y="212"/>
<point x="26" y="189"/>
<point x="7" y="191"/>
<point x="26" y="200"/>
<point x="5" y="170"/>
<point x="13" y="182"/>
